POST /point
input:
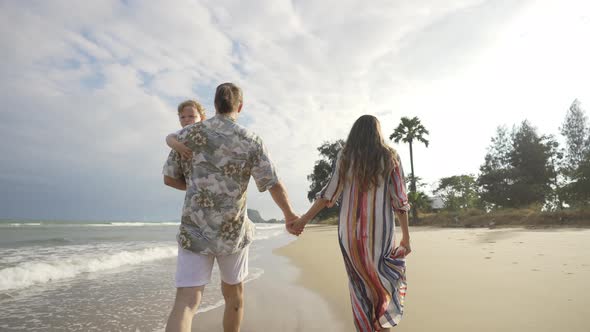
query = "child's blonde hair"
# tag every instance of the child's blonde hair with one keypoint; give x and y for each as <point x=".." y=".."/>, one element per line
<point x="194" y="104"/>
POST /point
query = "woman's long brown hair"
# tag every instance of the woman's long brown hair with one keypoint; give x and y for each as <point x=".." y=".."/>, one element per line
<point x="366" y="154"/>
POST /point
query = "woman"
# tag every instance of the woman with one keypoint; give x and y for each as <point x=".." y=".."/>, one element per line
<point x="368" y="176"/>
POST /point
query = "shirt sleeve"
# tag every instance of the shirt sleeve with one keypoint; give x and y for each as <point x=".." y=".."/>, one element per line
<point x="172" y="167"/>
<point x="397" y="189"/>
<point x="263" y="169"/>
<point x="333" y="189"/>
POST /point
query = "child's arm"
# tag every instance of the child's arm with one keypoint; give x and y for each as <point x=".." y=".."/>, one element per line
<point x="172" y="142"/>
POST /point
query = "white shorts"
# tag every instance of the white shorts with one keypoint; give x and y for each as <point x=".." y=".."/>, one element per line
<point x="193" y="270"/>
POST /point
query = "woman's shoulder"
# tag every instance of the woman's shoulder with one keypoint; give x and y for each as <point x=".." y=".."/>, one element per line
<point x="393" y="151"/>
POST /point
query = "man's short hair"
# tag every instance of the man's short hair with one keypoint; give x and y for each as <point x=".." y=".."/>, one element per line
<point x="228" y="98"/>
<point x="195" y="104"/>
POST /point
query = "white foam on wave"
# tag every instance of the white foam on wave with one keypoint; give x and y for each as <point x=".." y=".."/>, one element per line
<point x="43" y="271"/>
<point x="210" y="307"/>
<point x="267" y="231"/>
<point x="267" y="235"/>
<point x="269" y="226"/>
<point x="24" y="224"/>
<point x="106" y="224"/>
<point x="133" y="224"/>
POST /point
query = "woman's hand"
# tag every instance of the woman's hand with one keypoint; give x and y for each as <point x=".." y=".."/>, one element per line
<point x="405" y="242"/>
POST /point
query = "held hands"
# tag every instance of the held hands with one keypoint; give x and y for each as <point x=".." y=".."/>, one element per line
<point x="296" y="224"/>
<point x="289" y="220"/>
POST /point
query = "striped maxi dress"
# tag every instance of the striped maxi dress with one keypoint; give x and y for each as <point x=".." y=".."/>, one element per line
<point x="376" y="268"/>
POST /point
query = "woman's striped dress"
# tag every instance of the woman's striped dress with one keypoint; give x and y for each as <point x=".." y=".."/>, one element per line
<point x="376" y="268"/>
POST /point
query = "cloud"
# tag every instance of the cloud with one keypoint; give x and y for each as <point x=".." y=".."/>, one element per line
<point x="89" y="89"/>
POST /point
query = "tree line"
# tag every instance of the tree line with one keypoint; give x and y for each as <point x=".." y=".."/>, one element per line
<point x="521" y="169"/>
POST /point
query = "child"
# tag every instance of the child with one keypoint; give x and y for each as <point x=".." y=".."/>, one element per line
<point x="189" y="112"/>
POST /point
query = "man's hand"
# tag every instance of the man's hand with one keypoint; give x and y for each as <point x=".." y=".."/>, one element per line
<point x="279" y="195"/>
<point x="289" y="222"/>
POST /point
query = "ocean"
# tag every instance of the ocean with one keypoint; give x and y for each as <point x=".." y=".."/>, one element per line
<point x="101" y="276"/>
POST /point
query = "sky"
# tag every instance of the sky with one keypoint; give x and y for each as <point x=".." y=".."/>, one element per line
<point x="88" y="90"/>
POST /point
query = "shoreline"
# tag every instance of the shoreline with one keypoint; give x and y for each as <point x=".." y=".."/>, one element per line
<point x="312" y="254"/>
<point x="275" y="301"/>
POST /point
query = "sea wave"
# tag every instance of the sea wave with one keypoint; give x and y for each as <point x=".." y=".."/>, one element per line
<point x="267" y="235"/>
<point x="134" y="224"/>
<point x="20" y="224"/>
<point x="269" y="226"/>
<point x="46" y="242"/>
<point x="83" y="224"/>
<point x="31" y="273"/>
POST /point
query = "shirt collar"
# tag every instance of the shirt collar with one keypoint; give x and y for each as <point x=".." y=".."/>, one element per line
<point x="225" y="117"/>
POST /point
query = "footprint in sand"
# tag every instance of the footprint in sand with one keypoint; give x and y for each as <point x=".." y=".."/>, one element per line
<point x="491" y="252"/>
<point x="487" y="257"/>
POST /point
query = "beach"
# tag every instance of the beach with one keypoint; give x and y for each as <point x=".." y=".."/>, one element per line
<point x="458" y="280"/>
<point x="120" y="277"/>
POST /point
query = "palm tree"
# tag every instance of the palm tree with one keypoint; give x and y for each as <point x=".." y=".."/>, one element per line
<point x="408" y="131"/>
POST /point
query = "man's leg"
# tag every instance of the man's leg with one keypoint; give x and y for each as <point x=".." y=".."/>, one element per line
<point x="233" y="270"/>
<point x="185" y="307"/>
<point x="193" y="272"/>
<point x="234" y="306"/>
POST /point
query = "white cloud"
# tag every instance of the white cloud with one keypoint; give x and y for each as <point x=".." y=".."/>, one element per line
<point x="89" y="89"/>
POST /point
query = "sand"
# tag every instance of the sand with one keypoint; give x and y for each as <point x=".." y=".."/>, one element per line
<point x="458" y="280"/>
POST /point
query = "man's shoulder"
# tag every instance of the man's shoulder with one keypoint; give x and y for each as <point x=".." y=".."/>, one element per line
<point x="247" y="135"/>
<point x="191" y="128"/>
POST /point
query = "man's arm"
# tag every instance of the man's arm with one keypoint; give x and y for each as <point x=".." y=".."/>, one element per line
<point x="179" y="184"/>
<point x="279" y="195"/>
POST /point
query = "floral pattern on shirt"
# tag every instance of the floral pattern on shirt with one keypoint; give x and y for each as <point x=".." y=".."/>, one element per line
<point x="225" y="156"/>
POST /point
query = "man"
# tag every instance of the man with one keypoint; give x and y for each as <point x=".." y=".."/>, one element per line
<point x="214" y="223"/>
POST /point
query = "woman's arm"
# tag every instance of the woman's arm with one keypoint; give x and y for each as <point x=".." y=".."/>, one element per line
<point x="317" y="206"/>
<point x="402" y="216"/>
